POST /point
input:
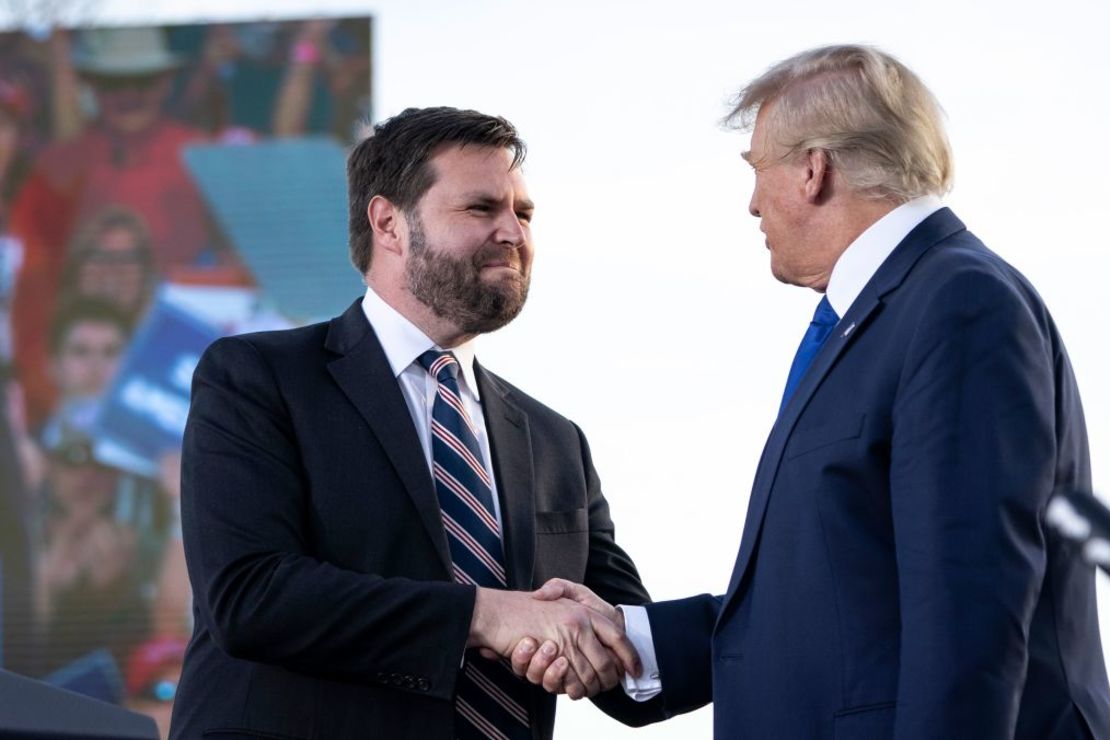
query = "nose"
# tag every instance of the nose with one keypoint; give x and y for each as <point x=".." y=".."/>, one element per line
<point x="511" y="232"/>
<point x="753" y="205"/>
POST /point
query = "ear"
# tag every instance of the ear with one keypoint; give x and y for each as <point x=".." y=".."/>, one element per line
<point x="385" y="222"/>
<point x="818" y="175"/>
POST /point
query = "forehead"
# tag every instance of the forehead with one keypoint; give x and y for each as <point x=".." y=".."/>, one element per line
<point x="483" y="170"/>
<point x="117" y="236"/>
<point x="89" y="330"/>
<point x="759" y="136"/>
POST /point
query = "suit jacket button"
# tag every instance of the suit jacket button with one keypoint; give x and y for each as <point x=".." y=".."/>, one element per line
<point x="395" y="679"/>
<point x="423" y="684"/>
<point x="410" y="682"/>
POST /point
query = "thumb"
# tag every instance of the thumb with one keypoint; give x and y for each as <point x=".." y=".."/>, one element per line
<point x="554" y="589"/>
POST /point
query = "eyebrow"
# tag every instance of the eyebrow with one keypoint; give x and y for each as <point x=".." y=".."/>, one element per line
<point x="746" y="155"/>
<point x="488" y="199"/>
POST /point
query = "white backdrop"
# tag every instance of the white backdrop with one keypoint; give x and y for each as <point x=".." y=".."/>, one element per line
<point x="651" y="281"/>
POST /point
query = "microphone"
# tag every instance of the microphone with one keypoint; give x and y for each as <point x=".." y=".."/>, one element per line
<point x="1085" y="521"/>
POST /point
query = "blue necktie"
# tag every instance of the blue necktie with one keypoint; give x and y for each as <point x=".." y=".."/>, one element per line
<point x="491" y="702"/>
<point x="824" y="319"/>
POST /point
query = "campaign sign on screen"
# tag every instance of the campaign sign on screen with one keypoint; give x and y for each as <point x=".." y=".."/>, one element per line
<point x="144" y="412"/>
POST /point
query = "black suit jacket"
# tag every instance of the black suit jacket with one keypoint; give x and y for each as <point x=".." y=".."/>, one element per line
<point x="324" y="605"/>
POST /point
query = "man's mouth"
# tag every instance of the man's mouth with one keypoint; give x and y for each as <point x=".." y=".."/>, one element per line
<point x="502" y="264"/>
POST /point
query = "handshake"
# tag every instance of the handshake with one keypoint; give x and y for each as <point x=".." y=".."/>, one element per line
<point x="561" y="636"/>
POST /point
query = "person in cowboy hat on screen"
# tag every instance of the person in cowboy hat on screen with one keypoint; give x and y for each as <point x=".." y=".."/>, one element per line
<point x="128" y="156"/>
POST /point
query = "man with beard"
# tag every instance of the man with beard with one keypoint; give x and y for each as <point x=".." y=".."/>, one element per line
<point x="365" y="506"/>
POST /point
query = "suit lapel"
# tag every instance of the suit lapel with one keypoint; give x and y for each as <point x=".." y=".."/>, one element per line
<point x="511" y="449"/>
<point x="767" y="470"/>
<point x="889" y="276"/>
<point x="363" y="373"/>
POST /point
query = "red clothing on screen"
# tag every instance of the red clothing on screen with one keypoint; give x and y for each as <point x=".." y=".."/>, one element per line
<point x="73" y="181"/>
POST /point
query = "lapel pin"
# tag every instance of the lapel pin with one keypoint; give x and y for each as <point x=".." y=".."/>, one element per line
<point x="848" y="330"/>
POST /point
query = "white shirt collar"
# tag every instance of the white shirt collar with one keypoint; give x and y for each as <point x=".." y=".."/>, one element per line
<point x="403" y="342"/>
<point x="861" y="260"/>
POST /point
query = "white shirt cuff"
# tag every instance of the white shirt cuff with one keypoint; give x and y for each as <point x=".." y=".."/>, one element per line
<point x="638" y="629"/>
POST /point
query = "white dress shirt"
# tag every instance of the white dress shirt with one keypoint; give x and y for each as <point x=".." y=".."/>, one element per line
<point x="403" y="343"/>
<point x="856" y="266"/>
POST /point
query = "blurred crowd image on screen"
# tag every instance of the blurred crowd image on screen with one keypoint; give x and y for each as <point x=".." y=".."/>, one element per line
<point x="128" y="156"/>
<point x="101" y="217"/>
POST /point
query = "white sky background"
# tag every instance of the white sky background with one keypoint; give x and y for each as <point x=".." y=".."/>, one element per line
<point x="654" y="321"/>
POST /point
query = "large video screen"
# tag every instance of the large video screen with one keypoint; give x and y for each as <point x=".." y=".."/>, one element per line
<point x="159" y="187"/>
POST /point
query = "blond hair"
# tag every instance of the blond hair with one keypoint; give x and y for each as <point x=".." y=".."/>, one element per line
<point x="879" y="125"/>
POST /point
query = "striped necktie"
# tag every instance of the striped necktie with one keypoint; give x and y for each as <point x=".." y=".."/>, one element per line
<point x="824" y="320"/>
<point x="491" y="702"/>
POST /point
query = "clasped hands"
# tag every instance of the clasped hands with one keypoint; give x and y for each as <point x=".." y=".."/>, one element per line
<point x="561" y="636"/>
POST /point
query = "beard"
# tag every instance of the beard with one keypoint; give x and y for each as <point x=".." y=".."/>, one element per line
<point x="453" y="288"/>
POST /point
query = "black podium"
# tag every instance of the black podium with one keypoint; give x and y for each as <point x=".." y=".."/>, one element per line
<point x="32" y="710"/>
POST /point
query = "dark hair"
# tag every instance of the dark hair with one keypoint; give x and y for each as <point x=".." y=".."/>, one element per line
<point x="394" y="161"/>
<point x="82" y="310"/>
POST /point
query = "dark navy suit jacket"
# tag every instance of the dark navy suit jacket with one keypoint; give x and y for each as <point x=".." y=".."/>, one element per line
<point x="895" y="577"/>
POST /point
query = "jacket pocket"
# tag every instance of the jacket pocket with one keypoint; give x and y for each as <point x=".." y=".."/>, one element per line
<point x="562" y="545"/>
<point x="837" y="430"/>
<point x="871" y="722"/>
<point x="562" y="522"/>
